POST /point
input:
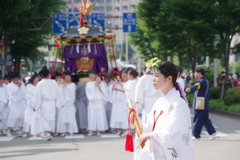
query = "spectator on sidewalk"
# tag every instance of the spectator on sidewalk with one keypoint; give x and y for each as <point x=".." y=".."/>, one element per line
<point x="201" y="116"/>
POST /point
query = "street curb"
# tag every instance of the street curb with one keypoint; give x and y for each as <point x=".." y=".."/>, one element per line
<point x="226" y="113"/>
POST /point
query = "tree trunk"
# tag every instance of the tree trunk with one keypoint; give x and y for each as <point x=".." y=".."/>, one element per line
<point x="17" y="64"/>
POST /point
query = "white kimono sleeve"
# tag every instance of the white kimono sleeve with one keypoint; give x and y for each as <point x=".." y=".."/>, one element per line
<point x="105" y="91"/>
<point x="37" y="98"/>
<point x="13" y="93"/>
<point x="90" y="91"/>
<point x="139" y="94"/>
<point x="59" y="96"/>
<point x="177" y="124"/>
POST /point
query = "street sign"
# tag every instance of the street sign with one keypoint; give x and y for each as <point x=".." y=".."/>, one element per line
<point x="129" y="22"/>
<point x="9" y="58"/>
<point x="118" y="48"/>
<point x="8" y="68"/>
<point x="73" y="18"/>
<point x="98" y="19"/>
<point x="59" y="22"/>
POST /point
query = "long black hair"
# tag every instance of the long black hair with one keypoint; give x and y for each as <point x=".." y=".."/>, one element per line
<point x="169" y="69"/>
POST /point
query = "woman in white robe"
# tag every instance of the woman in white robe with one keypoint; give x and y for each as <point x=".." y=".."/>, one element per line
<point x="146" y="95"/>
<point x="16" y="92"/>
<point x="3" y="106"/>
<point x="81" y="103"/>
<point x="31" y="118"/>
<point x="168" y="129"/>
<point x="97" y="93"/>
<point x="67" y="114"/>
<point x="46" y="98"/>
<point x="119" y="115"/>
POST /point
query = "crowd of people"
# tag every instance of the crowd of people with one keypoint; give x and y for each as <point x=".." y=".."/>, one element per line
<point x="44" y="107"/>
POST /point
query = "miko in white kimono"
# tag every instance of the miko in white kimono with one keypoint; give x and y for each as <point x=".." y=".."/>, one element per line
<point x="16" y="92"/>
<point x="45" y="100"/>
<point x="3" y="107"/>
<point x="97" y="93"/>
<point x="31" y="117"/>
<point x="67" y="113"/>
<point x="81" y="103"/>
<point x="119" y="115"/>
<point x="130" y="87"/>
<point x="146" y="95"/>
<point x="168" y="129"/>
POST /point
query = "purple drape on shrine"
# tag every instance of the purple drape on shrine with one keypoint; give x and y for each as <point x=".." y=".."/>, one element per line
<point x="75" y="51"/>
<point x="100" y="62"/>
<point x="98" y="52"/>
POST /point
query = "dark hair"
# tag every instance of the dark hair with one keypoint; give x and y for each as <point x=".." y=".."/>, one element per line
<point x="169" y="69"/>
<point x="133" y="72"/>
<point x="200" y="70"/>
<point x="179" y="69"/>
<point x="126" y="70"/>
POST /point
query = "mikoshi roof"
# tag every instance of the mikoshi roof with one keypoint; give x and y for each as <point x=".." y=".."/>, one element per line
<point x="86" y="34"/>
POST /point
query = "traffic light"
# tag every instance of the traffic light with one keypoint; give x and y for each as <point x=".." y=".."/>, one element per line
<point x="20" y="65"/>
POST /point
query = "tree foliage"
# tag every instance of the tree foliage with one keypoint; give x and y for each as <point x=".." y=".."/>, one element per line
<point x="16" y="17"/>
<point x="189" y="29"/>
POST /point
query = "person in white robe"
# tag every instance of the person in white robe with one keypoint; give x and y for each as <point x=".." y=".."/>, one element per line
<point x="180" y="80"/>
<point x="3" y="107"/>
<point x="97" y="93"/>
<point x="108" y="106"/>
<point x="46" y="98"/>
<point x="119" y="115"/>
<point x="31" y="118"/>
<point x="81" y="103"/>
<point x="146" y="95"/>
<point x="58" y="78"/>
<point x="130" y="87"/>
<point x="167" y="133"/>
<point x="16" y="91"/>
<point x="67" y="123"/>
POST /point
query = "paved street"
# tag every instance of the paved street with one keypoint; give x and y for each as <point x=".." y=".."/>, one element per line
<point x="227" y="147"/>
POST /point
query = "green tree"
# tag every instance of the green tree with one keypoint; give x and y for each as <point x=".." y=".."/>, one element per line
<point x="23" y="44"/>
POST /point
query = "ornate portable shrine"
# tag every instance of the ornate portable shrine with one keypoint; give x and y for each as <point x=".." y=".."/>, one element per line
<point x="84" y="46"/>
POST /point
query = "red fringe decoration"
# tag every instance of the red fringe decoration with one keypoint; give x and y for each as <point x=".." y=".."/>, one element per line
<point x="129" y="138"/>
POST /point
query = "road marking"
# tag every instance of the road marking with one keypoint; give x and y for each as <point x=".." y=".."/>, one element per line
<point x="6" y="138"/>
<point x="75" y="136"/>
<point x="220" y="134"/>
<point x="237" y="131"/>
<point x="36" y="138"/>
<point x="110" y="136"/>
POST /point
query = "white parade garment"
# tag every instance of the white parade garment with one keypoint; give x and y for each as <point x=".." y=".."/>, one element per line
<point x="46" y="98"/>
<point x="108" y="106"/>
<point x="146" y="95"/>
<point x="81" y="103"/>
<point x="181" y="83"/>
<point x="16" y="105"/>
<point x="119" y="116"/>
<point x="172" y="137"/>
<point x="130" y="89"/>
<point x="67" y="114"/>
<point x="3" y="107"/>
<point x="96" y="108"/>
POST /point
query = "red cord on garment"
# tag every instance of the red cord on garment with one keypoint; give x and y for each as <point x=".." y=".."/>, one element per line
<point x="155" y="121"/>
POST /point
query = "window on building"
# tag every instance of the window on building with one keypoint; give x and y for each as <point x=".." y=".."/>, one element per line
<point x="101" y="8"/>
<point x="133" y="7"/>
<point x="109" y="8"/>
<point x="125" y="8"/>
<point x="116" y="9"/>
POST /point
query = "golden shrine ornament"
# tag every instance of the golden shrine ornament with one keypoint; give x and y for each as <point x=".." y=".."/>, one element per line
<point x="83" y="30"/>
